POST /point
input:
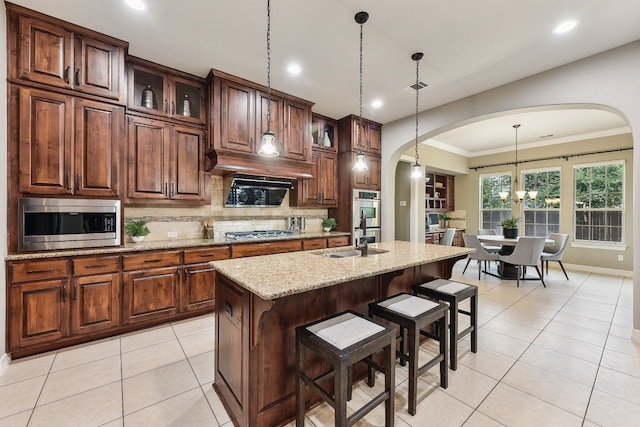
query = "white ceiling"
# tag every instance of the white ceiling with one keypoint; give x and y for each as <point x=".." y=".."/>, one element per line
<point x="469" y="46"/>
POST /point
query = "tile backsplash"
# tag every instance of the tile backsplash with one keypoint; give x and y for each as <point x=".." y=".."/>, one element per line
<point x="186" y="221"/>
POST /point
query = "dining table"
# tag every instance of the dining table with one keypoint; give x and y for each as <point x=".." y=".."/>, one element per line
<point x="507" y="245"/>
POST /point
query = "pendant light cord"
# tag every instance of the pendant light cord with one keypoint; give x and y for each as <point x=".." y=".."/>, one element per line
<point x="268" y="65"/>
<point x="360" y="129"/>
<point x="417" y="97"/>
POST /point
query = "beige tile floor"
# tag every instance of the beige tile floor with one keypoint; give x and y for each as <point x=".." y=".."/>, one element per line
<point x="559" y="356"/>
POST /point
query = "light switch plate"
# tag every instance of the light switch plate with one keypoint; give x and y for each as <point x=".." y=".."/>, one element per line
<point x="403" y="203"/>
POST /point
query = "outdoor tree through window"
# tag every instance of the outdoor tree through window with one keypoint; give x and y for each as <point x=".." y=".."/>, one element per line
<point x="493" y="209"/>
<point x="599" y="202"/>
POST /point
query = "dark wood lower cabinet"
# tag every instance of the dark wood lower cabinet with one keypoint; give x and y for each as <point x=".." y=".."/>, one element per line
<point x="95" y="303"/>
<point x="150" y="294"/>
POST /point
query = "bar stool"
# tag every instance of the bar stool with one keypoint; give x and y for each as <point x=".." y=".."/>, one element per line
<point x="413" y="314"/>
<point x="342" y="340"/>
<point x="454" y="293"/>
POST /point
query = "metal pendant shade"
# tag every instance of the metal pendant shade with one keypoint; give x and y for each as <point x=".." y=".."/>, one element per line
<point x="268" y="147"/>
<point x="360" y="164"/>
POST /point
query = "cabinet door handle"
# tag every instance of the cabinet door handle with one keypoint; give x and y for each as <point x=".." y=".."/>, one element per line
<point x="186" y="276"/>
<point x="153" y="260"/>
<point x="166" y="106"/>
<point x="64" y="291"/>
<point x="67" y="178"/>
<point x="78" y="180"/>
<point x="66" y="74"/>
<point x="78" y="77"/>
<point x="49" y="270"/>
<point x="228" y="308"/>
<point x="173" y="107"/>
<point x="172" y="190"/>
<point x="165" y="188"/>
<point x="75" y="290"/>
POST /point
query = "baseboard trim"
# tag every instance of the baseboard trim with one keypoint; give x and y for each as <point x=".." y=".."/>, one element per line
<point x="5" y="360"/>
<point x="592" y="269"/>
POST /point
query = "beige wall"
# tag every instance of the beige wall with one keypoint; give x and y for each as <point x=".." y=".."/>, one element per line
<point x="468" y="192"/>
<point x="403" y="193"/>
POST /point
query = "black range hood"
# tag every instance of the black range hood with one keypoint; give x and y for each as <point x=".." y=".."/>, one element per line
<point x="256" y="191"/>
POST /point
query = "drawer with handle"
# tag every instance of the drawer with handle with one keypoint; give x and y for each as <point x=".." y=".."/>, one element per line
<point x="96" y="265"/>
<point x="38" y="270"/>
<point x="151" y="260"/>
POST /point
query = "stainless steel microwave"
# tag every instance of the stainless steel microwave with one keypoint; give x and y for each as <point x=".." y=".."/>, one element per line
<point x="47" y="224"/>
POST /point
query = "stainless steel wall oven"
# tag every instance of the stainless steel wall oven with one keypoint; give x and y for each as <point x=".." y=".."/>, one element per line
<point x="47" y="224"/>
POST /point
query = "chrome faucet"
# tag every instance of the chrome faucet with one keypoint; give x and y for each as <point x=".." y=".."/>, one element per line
<point x="363" y="245"/>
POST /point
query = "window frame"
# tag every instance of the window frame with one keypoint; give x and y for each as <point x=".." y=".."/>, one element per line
<point x="507" y="209"/>
<point x="523" y="208"/>
<point x="600" y="243"/>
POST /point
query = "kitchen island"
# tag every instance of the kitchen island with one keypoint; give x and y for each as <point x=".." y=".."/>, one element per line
<point x="261" y="300"/>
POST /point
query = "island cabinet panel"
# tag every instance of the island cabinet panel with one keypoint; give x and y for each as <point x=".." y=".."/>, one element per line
<point x="232" y="331"/>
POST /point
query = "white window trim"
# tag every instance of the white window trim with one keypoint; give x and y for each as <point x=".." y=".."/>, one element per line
<point x="601" y="246"/>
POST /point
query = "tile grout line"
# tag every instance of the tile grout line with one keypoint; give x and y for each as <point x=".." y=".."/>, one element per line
<point x="500" y="381"/>
<point x="604" y="347"/>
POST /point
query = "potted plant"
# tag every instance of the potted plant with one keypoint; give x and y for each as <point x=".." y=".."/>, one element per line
<point x="510" y="227"/>
<point x="137" y="230"/>
<point x="329" y="223"/>
<point x="445" y="219"/>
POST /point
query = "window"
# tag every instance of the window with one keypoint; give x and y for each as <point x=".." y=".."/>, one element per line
<point x="493" y="209"/>
<point x="542" y="215"/>
<point x="599" y="202"/>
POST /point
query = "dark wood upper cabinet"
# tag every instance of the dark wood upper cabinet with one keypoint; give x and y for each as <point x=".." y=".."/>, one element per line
<point x="56" y="53"/>
<point x="160" y="91"/>
<point x="166" y="162"/>
<point x="238" y="119"/>
<point x="55" y="162"/>
<point x="99" y="135"/>
<point x="354" y="137"/>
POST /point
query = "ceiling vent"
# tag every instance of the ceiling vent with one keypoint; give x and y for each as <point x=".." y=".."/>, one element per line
<point x="416" y="87"/>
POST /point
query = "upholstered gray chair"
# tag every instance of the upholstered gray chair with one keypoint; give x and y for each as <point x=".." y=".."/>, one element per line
<point x="447" y="237"/>
<point x="554" y="251"/>
<point x="489" y="232"/>
<point x="526" y="254"/>
<point x="481" y="254"/>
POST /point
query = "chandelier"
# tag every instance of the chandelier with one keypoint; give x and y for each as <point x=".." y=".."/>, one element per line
<point x="518" y="195"/>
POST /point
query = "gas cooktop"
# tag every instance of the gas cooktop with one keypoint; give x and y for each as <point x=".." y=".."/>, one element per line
<point x="257" y="234"/>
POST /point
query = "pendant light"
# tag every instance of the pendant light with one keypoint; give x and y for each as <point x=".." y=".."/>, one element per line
<point x="268" y="143"/>
<point x="416" y="171"/>
<point x="518" y="195"/>
<point x="360" y="165"/>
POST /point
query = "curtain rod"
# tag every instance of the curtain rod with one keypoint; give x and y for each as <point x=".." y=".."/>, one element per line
<point x="565" y="157"/>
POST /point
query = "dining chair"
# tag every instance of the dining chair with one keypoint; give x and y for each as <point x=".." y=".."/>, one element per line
<point x="481" y="253"/>
<point x="526" y="254"/>
<point x="554" y="251"/>
<point x="447" y="237"/>
<point x="489" y="232"/>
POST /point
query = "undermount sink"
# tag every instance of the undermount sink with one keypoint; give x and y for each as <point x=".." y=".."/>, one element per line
<point x="352" y="253"/>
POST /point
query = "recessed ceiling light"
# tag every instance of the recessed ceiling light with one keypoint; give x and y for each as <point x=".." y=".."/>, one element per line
<point x="565" y="27"/>
<point x="135" y="4"/>
<point x="376" y="103"/>
<point x="294" y="68"/>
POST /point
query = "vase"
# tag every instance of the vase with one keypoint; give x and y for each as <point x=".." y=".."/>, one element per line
<point x="327" y="229"/>
<point x="510" y="233"/>
<point x="149" y="98"/>
<point x="137" y="239"/>
<point x="326" y="141"/>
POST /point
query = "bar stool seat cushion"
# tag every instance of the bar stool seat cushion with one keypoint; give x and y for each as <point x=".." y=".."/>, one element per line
<point x="408" y="305"/>
<point x="446" y="286"/>
<point x="345" y="330"/>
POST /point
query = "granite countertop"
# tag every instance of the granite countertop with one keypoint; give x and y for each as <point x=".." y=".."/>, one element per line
<point x="275" y="276"/>
<point x="166" y="244"/>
